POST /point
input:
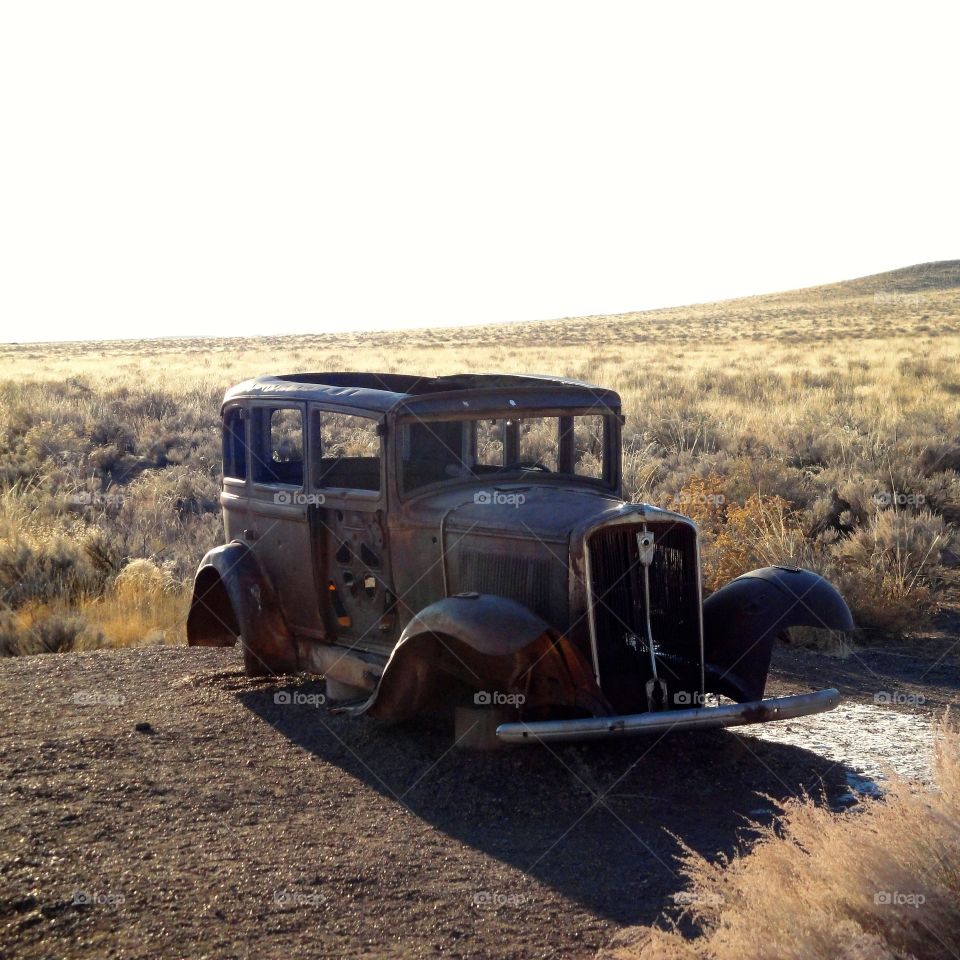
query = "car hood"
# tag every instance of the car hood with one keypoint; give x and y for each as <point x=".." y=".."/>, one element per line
<point x="543" y="510"/>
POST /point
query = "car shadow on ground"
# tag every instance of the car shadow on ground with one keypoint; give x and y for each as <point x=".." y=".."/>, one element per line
<point x="924" y="672"/>
<point x="600" y="823"/>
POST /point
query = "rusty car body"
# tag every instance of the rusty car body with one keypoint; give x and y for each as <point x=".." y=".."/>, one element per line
<point x="426" y="542"/>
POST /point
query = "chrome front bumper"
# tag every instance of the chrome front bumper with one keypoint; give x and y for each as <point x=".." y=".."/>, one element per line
<point x="698" y="718"/>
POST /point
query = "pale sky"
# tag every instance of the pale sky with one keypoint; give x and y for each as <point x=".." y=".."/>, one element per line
<point x="238" y="168"/>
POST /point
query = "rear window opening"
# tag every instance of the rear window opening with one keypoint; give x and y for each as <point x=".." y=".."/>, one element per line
<point x="277" y="447"/>
<point x="234" y="444"/>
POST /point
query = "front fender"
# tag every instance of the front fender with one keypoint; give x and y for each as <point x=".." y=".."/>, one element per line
<point x="230" y="582"/>
<point x="482" y="643"/>
<point x="742" y="620"/>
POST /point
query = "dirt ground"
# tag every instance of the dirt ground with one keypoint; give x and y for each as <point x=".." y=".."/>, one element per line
<point x="157" y="803"/>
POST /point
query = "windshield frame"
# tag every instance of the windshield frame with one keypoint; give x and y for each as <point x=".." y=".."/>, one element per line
<point x="609" y="482"/>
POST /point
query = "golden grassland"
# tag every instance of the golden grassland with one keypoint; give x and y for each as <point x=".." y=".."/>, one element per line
<point x="902" y="310"/>
<point x="822" y="425"/>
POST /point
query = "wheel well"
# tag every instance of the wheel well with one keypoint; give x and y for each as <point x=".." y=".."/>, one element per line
<point x="212" y="621"/>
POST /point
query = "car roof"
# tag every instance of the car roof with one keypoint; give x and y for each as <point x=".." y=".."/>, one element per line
<point x="383" y="392"/>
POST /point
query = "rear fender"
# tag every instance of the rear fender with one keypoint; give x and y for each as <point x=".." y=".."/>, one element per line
<point x="489" y="645"/>
<point x="233" y="597"/>
<point x="742" y="620"/>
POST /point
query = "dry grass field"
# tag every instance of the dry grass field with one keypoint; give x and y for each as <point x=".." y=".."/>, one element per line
<point x="820" y="426"/>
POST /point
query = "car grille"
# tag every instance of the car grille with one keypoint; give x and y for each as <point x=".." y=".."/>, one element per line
<point x="524" y="579"/>
<point x="619" y="616"/>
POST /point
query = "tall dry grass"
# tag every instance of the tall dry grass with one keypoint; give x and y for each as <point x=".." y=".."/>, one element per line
<point x="880" y="882"/>
<point x="108" y="498"/>
<point x="142" y="605"/>
<point x="828" y="420"/>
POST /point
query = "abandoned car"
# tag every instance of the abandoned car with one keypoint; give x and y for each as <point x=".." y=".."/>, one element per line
<point x="463" y="540"/>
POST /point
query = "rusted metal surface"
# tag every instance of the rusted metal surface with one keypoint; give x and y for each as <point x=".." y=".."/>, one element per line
<point x="743" y="619"/>
<point x="268" y="646"/>
<point x="488" y="645"/>
<point x="563" y="613"/>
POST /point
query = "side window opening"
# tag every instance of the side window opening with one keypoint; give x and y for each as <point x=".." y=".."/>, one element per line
<point x="278" y="454"/>
<point x="234" y="444"/>
<point x="345" y="451"/>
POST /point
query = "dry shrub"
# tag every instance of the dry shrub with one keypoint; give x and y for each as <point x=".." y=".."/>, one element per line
<point x="881" y="881"/>
<point x="9" y="634"/>
<point x="141" y="583"/>
<point x="763" y="531"/>
<point x="42" y="555"/>
<point x="171" y="516"/>
<point x="144" y="604"/>
<point x="738" y="537"/>
<point x="891" y="566"/>
<point x="38" y="628"/>
<point x="886" y="562"/>
<point x="834" y="643"/>
<point x="640" y="469"/>
<point x="91" y="480"/>
<point x="58" y="633"/>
